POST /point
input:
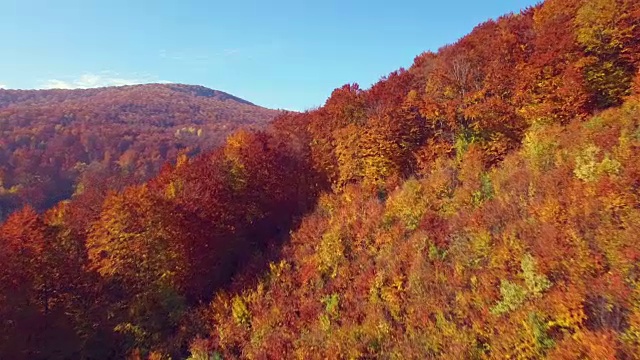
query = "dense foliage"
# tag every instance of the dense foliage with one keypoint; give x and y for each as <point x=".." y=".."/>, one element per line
<point x="55" y="143"/>
<point x="535" y="257"/>
<point x="484" y="203"/>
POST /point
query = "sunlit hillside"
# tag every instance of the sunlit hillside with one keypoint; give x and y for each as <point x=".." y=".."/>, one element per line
<point x="483" y="203"/>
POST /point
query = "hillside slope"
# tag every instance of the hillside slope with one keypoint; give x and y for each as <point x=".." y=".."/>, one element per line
<point x="481" y="204"/>
<point x="51" y="139"/>
<point x="536" y="257"/>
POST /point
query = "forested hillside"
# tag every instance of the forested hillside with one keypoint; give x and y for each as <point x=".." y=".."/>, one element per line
<point x="53" y="143"/>
<point x="535" y="257"/>
<point x="484" y="203"/>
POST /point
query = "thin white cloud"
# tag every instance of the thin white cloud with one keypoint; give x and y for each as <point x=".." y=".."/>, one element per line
<point x="3" y="86"/>
<point x="103" y="79"/>
<point x="231" y="52"/>
<point x="220" y="57"/>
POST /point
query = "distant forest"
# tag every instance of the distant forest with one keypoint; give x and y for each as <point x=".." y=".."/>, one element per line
<point x="54" y="143"/>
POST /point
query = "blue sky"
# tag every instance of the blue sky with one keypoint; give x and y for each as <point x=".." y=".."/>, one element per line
<point x="281" y="53"/>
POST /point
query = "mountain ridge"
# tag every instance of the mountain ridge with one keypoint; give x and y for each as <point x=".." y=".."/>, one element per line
<point x="38" y="95"/>
<point x="50" y="139"/>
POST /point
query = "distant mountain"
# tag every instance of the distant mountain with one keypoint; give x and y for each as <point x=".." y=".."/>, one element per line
<point x="33" y="97"/>
<point x="51" y="139"/>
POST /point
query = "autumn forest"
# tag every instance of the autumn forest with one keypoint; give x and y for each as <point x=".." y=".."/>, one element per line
<point x="482" y="203"/>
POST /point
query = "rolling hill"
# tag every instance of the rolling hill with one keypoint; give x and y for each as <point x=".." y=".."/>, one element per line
<point x="51" y="139"/>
